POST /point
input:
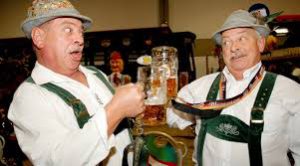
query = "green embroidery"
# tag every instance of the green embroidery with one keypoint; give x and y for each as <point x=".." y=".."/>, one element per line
<point x="80" y="111"/>
<point x="228" y="129"/>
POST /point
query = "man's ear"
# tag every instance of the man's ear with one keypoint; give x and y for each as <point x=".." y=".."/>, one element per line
<point x="261" y="42"/>
<point x="38" y="36"/>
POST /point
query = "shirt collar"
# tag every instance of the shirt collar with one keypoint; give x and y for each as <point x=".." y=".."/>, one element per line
<point x="42" y="74"/>
<point x="248" y="74"/>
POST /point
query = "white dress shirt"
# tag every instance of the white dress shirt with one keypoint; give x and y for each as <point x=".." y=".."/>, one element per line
<point x="281" y="120"/>
<point x="46" y="127"/>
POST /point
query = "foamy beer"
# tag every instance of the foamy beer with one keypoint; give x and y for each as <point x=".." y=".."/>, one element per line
<point x="156" y="100"/>
<point x="162" y="84"/>
<point x="171" y="87"/>
<point x="154" y="115"/>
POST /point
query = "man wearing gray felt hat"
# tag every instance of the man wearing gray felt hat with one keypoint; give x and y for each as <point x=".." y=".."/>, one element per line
<point x="42" y="11"/>
<point x="245" y="114"/>
<point x="66" y="113"/>
<point x="239" y="19"/>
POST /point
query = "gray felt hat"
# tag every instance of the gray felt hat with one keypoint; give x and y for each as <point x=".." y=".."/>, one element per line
<point x="42" y="11"/>
<point x="238" y="19"/>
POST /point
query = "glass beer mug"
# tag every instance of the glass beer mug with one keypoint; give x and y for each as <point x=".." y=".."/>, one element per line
<point x="165" y="59"/>
<point x="161" y="85"/>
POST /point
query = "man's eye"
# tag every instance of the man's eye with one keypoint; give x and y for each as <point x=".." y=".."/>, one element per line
<point x="225" y="43"/>
<point x="68" y="30"/>
<point x="242" y="39"/>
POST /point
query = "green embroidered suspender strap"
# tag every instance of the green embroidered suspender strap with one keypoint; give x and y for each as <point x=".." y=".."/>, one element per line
<point x="212" y="95"/>
<point x="80" y="111"/>
<point x="102" y="78"/>
<point x="257" y="118"/>
<point x="230" y="128"/>
<point x="125" y="123"/>
<point x="214" y="89"/>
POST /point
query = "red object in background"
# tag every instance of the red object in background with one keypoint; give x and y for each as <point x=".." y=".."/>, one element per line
<point x="116" y="62"/>
<point x="171" y="87"/>
<point x="115" y="55"/>
<point x="183" y="79"/>
<point x="291" y="17"/>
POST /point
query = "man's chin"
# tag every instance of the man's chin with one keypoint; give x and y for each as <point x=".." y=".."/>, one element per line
<point x="239" y="67"/>
<point x="75" y="64"/>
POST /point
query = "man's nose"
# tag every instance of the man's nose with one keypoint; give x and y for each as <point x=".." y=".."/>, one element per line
<point x="78" y="39"/>
<point x="234" y="46"/>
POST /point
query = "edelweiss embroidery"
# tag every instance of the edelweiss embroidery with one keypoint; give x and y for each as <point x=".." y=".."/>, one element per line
<point x="227" y="128"/>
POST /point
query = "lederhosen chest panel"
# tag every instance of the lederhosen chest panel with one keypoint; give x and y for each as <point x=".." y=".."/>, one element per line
<point x="230" y="128"/>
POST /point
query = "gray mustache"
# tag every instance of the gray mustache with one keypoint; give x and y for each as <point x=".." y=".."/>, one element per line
<point x="236" y="56"/>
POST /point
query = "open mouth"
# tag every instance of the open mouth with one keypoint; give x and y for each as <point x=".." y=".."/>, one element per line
<point x="76" y="54"/>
